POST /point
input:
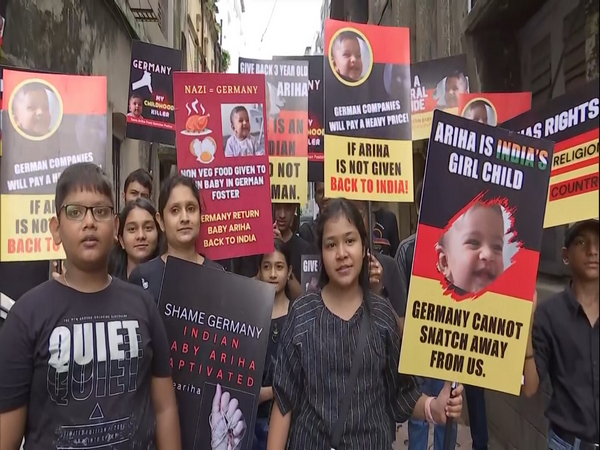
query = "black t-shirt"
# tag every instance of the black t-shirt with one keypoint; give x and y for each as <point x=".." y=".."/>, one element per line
<point x="150" y="275"/>
<point x="16" y="278"/>
<point x="385" y="229"/>
<point x="82" y="364"/>
<point x="264" y="409"/>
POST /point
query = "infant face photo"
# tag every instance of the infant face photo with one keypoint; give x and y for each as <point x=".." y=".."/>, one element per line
<point x="480" y="111"/>
<point x="349" y="57"/>
<point x="240" y="122"/>
<point x="31" y="109"/>
<point x="456" y="84"/>
<point x="476" y="249"/>
<point x="136" y="104"/>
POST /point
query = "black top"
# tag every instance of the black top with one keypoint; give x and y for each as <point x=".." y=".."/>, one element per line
<point x="393" y="287"/>
<point x="264" y="409"/>
<point x="313" y="363"/>
<point x="404" y="259"/>
<point x="566" y="348"/>
<point x="150" y="275"/>
<point x="386" y="229"/>
<point x="83" y="365"/>
<point x="16" y="278"/>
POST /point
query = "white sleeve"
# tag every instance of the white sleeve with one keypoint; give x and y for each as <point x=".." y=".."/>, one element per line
<point x="229" y="150"/>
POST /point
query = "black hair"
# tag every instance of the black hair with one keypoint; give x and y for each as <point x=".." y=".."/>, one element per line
<point x="32" y="87"/>
<point x="493" y="206"/>
<point x="343" y="207"/>
<point x="140" y="176"/>
<point x="345" y="35"/>
<point x="171" y="183"/>
<point x="236" y="110"/>
<point x="457" y="74"/>
<point x="117" y="266"/>
<point x="136" y="96"/>
<point x="281" y="248"/>
<point x="82" y="177"/>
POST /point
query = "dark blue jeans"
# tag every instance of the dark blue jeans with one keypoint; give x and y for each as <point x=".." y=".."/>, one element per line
<point x="261" y="433"/>
<point x="477" y="417"/>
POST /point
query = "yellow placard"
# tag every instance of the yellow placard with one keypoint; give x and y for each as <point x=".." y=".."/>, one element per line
<point x="368" y="169"/>
<point x="479" y="342"/>
<point x="288" y="179"/>
<point x="24" y="228"/>
<point x="573" y="192"/>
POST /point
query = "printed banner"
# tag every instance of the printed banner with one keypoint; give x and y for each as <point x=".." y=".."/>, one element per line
<point x="309" y="278"/>
<point x="287" y="114"/>
<point x="493" y="109"/>
<point x="436" y="84"/>
<point x="150" y="109"/>
<point x="221" y="144"/>
<point x="476" y="255"/>
<point x="36" y="149"/>
<point x="368" y="129"/>
<point x="218" y="325"/>
<point x="316" y="131"/>
<point x="572" y="122"/>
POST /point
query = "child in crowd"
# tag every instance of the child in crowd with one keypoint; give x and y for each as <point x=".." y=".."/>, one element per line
<point x="31" y="109"/>
<point x="87" y="352"/>
<point x="179" y="218"/>
<point x="346" y="56"/>
<point x="137" y="184"/>
<point x="563" y="345"/>
<point x="470" y="252"/>
<point x="139" y="238"/>
<point x="275" y="268"/>
<point x="317" y="350"/>
<point x="242" y="143"/>
<point x="136" y="105"/>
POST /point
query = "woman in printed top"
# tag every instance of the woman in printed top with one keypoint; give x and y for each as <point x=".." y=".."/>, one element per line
<point x="275" y="268"/>
<point x="140" y="238"/>
<point x="317" y="349"/>
<point x="179" y="218"/>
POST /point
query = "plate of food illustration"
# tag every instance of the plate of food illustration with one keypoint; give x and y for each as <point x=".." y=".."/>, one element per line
<point x="197" y="121"/>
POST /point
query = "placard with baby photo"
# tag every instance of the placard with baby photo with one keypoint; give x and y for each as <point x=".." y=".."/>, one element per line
<point x="493" y="109"/>
<point x="221" y="136"/>
<point x="367" y="112"/>
<point x="435" y="84"/>
<point x="476" y="255"/>
<point x="45" y="128"/>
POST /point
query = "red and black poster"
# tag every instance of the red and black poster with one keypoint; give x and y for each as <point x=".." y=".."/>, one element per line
<point x="493" y="109"/>
<point x="150" y="107"/>
<point x="476" y="255"/>
<point x="218" y="325"/>
<point x="435" y="84"/>
<point x="309" y="279"/>
<point x="221" y="140"/>
<point x="572" y="122"/>
<point x="316" y="130"/>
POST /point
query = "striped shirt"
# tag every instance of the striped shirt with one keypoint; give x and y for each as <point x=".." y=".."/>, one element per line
<point x="313" y="365"/>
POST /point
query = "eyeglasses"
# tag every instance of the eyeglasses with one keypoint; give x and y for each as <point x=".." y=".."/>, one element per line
<point x="78" y="212"/>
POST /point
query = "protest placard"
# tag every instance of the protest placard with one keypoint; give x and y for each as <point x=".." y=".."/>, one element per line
<point x="220" y="122"/>
<point x="309" y="279"/>
<point x="571" y="121"/>
<point x="287" y="115"/>
<point x="367" y="120"/>
<point x="37" y="148"/>
<point x="436" y="84"/>
<point x="476" y="254"/>
<point x="218" y="325"/>
<point x="150" y="108"/>
<point x="493" y="109"/>
<point x="316" y="132"/>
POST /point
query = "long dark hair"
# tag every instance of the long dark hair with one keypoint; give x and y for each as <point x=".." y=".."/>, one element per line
<point x="343" y="207"/>
<point x="118" y="260"/>
<point x="281" y="248"/>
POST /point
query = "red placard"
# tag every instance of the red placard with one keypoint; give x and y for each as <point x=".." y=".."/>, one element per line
<point x="493" y="109"/>
<point x="221" y="135"/>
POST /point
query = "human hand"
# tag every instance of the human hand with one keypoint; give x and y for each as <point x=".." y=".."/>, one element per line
<point x="55" y="271"/>
<point x="448" y="403"/>
<point x="276" y="232"/>
<point x="375" y="275"/>
<point x="535" y="300"/>
<point x="227" y="423"/>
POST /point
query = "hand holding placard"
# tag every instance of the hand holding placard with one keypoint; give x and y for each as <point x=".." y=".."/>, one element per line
<point x="227" y="422"/>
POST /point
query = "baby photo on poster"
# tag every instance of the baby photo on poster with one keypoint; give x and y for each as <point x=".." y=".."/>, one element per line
<point x="243" y="130"/>
<point x="351" y="56"/>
